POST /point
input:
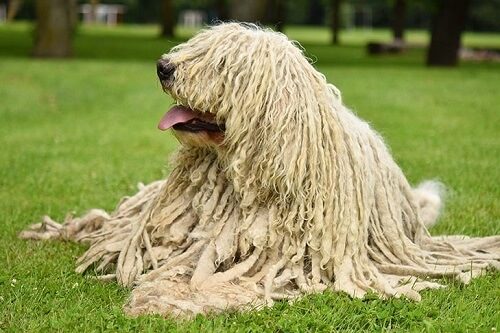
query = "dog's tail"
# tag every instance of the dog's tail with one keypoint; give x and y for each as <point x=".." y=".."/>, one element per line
<point x="430" y="195"/>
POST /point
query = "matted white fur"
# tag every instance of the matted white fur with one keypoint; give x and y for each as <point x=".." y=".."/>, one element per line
<point x="302" y="196"/>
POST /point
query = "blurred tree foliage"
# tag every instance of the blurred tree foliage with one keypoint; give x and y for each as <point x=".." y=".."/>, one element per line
<point x="483" y="14"/>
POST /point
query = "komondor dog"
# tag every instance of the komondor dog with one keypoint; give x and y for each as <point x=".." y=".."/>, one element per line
<point x="278" y="190"/>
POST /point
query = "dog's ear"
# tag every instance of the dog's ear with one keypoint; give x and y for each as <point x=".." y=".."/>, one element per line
<point x="279" y="131"/>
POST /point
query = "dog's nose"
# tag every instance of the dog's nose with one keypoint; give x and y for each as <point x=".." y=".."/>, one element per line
<point x="164" y="69"/>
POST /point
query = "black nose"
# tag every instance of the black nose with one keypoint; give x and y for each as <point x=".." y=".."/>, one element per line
<point x="164" y="69"/>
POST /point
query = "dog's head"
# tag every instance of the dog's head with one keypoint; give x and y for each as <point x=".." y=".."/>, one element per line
<point x="251" y="94"/>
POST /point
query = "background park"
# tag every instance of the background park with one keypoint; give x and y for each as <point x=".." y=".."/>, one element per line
<point x="80" y="100"/>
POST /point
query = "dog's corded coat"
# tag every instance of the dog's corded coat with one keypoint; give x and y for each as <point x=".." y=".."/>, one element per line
<point x="301" y="196"/>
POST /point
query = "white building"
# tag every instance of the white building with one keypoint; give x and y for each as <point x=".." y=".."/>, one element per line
<point x="192" y="18"/>
<point x="109" y="14"/>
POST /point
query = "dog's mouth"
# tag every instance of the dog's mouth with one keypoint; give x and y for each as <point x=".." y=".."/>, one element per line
<point x="182" y="118"/>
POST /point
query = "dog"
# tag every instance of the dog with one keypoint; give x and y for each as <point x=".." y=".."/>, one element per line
<point x="277" y="190"/>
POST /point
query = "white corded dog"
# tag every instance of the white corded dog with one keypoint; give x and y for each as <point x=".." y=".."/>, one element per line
<point x="278" y="190"/>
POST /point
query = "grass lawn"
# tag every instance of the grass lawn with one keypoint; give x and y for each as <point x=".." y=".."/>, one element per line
<point x="80" y="133"/>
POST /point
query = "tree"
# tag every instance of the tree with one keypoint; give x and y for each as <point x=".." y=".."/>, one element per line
<point x="335" y="20"/>
<point x="398" y="21"/>
<point x="167" y="18"/>
<point x="55" y="22"/>
<point x="13" y="9"/>
<point x="278" y="14"/>
<point x="221" y="9"/>
<point x="448" y="24"/>
<point x="248" y="10"/>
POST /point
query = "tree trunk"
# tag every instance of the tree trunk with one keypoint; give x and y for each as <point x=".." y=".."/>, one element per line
<point x="335" y="24"/>
<point x="13" y="9"/>
<point x="221" y="8"/>
<point x="55" y="25"/>
<point x="167" y="18"/>
<point x="248" y="10"/>
<point x="398" y="21"/>
<point x="278" y="14"/>
<point x="447" y="27"/>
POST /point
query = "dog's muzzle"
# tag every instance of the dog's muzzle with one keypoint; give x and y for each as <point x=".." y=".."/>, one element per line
<point x="165" y="70"/>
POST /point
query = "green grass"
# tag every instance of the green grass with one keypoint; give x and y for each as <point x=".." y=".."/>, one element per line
<point x="80" y="133"/>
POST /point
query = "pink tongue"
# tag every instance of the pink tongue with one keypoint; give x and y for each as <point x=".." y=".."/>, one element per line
<point x="176" y="115"/>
